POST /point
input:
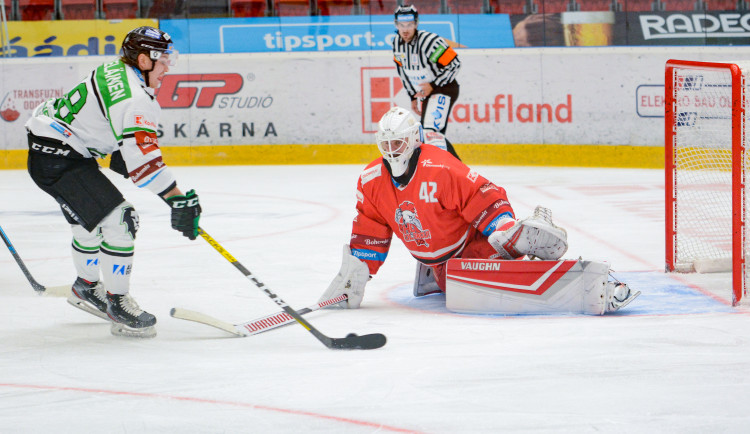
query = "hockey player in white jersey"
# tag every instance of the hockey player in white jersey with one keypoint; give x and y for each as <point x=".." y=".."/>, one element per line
<point x="113" y="111"/>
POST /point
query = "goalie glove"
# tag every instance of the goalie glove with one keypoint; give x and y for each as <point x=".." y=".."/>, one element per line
<point x="534" y="236"/>
<point x="186" y="212"/>
<point x="350" y="280"/>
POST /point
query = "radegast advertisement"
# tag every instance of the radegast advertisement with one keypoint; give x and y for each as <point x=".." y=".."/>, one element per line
<point x="334" y="33"/>
<point x="587" y="28"/>
<point x="688" y="28"/>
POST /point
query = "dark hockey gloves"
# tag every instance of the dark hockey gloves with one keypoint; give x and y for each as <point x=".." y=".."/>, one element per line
<point x="186" y="211"/>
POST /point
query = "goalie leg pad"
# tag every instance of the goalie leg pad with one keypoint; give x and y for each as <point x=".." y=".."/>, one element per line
<point x="350" y="280"/>
<point x="488" y="286"/>
<point x="534" y="236"/>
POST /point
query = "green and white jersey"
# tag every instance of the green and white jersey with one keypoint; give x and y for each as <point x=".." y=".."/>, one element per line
<point x="111" y="109"/>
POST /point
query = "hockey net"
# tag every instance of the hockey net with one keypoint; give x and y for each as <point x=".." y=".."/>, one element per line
<point x="706" y="160"/>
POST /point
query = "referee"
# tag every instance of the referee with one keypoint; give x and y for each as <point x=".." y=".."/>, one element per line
<point x="428" y="68"/>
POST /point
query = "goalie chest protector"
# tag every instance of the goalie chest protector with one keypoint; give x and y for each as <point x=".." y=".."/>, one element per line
<point x="486" y="286"/>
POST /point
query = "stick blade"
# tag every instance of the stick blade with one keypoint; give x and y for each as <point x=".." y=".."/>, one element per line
<point x="55" y="291"/>
<point x="191" y="315"/>
<point x="356" y="342"/>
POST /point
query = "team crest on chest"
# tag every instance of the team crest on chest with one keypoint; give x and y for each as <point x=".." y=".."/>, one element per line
<point x="410" y="225"/>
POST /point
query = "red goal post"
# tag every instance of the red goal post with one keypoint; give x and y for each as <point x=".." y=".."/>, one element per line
<point x="705" y="163"/>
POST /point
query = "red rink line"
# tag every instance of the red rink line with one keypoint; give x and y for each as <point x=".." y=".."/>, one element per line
<point x="211" y="401"/>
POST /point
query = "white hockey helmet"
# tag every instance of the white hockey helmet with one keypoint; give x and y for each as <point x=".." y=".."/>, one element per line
<point x="399" y="134"/>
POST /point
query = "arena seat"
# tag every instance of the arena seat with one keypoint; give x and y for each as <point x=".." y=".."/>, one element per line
<point x="120" y="9"/>
<point x="377" y="7"/>
<point x="336" y="7"/>
<point x="36" y="10"/>
<point x="465" y="6"/>
<point x="637" y="5"/>
<point x="78" y="9"/>
<point x="595" y="5"/>
<point x="679" y="5"/>
<point x="514" y="7"/>
<point x="721" y="5"/>
<point x="248" y="8"/>
<point x="292" y="8"/>
<point x="554" y="6"/>
<point x="207" y="8"/>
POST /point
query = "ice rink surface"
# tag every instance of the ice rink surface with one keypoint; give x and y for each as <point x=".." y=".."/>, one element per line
<point x="677" y="360"/>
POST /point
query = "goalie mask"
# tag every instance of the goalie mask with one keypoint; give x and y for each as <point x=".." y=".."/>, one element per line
<point x="399" y="134"/>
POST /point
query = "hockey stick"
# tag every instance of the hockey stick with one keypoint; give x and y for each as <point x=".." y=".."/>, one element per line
<point x="350" y="342"/>
<point x="57" y="291"/>
<point x="252" y="327"/>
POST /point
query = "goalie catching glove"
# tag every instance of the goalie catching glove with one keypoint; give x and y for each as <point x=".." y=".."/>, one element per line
<point x="535" y="236"/>
<point x="350" y="280"/>
<point x="186" y="212"/>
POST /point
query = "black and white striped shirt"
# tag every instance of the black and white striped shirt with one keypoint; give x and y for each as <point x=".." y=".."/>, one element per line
<point x="426" y="59"/>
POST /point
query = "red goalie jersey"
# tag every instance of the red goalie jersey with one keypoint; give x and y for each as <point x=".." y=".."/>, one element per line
<point x="445" y="207"/>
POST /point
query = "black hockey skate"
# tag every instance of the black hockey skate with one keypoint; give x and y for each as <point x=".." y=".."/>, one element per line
<point x="89" y="297"/>
<point x="128" y="319"/>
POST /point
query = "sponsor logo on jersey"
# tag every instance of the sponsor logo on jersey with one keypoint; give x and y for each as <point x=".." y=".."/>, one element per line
<point x="501" y="203"/>
<point x="480" y="217"/>
<point x="480" y="266"/>
<point x="472" y="175"/>
<point x="357" y="239"/>
<point x="142" y="121"/>
<point x="410" y="226"/>
<point x="370" y="174"/>
<point x="146" y="141"/>
<point x="428" y="163"/>
<point x="146" y="169"/>
<point x="487" y="187"/>
<point x="60" y="129"/>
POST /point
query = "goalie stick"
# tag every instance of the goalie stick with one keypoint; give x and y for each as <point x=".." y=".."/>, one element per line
<point x="56" y="291"/>
<point x="252" y="327"/>
<point x="350" y="342"/>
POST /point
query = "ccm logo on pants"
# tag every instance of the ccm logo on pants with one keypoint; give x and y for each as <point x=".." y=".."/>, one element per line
<point x="49" y="149"/>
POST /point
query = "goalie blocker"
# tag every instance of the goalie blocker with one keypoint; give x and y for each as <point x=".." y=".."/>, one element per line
<point x="488" y="286"/>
